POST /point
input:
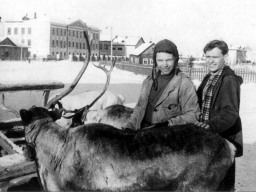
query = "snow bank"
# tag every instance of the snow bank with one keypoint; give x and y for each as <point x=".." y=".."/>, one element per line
<point x="63" y="71"/>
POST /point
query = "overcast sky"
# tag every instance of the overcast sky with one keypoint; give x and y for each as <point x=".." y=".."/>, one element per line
<point x="188" y="23"/>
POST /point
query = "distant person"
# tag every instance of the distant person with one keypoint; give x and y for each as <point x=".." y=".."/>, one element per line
<point x="219" y="100"/>
<point x="168" y="96"/>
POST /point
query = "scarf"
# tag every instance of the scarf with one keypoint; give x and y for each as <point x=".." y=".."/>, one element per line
<point x="207" y="96"/>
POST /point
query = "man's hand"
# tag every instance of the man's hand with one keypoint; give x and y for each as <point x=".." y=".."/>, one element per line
<point x="203" y="125"/>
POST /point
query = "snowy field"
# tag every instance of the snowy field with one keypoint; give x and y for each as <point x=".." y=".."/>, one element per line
<point x="66" y="72"/>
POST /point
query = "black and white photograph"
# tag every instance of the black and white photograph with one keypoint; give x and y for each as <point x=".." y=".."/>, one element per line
<point x="127" y="95"/>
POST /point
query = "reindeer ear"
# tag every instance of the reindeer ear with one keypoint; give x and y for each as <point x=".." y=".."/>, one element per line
<point x="26" y="116"/>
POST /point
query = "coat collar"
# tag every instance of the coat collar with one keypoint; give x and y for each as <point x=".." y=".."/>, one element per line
<point x="169" y="88"/>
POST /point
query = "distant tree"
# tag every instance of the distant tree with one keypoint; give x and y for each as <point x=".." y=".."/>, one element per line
<point x="190" y="64"/>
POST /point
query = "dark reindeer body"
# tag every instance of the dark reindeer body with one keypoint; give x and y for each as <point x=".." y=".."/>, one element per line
<point x="100" y="157"/>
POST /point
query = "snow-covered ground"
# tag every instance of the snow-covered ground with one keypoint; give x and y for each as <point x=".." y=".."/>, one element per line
<point x="66" y="72"/>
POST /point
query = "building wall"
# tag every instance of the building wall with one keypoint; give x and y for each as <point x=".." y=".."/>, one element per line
<point x="95" y="36"/>
<point x="18" y="31"/>
<point x="236" y="56"/>
<point x="119" y="50"/>
<point x="13" y="53"/>
<point x="104" y="48"/>
<point x="67" y="42"/>
<point x="40" y="38"/>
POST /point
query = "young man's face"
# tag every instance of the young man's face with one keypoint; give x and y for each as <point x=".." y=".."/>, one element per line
<point x="165" y="62"/>
<point x="215" y="59"/>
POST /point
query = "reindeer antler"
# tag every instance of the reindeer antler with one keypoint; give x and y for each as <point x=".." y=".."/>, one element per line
<point x="77" y="117"/>
<point x="108" y="72"/>
<point x="72" y="86"/>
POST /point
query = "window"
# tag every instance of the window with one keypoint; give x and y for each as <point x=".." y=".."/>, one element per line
<point x="74" y="34"/>
<point x="22" y="31"/>
<point x="77" y="45"/>
<point x="77" y="34"/>
<point x="65" y="32"/>
<point x="52" y="43"/>
<point x="119" y="48"/>
<point x="29" y="30"/>
<point x="145" y="61"/>
<point x="57" y="32"/>
<point x="73" y="44"/>
<point x="81" y="34"/>
<point x="96" y="46"/>
<point x="100" y="46"/>
<point x="29" y="42"/>
<point x="80" y="45"/>
<point x="60" y="32"/>
<point x="151" y="61"/>
<point x="57" y="43"/>
<point x="64" y="44"/>
<point x="106" y="47"/>
<point x="83" y="45"/>
<point x="9" y="31"/>
<point x="114" y="48"/>
<point x="53" y="31"/>
<point x="60" y="43"/>
<point x="15" y="31"/>
<point x="69" y="44"/>
<point x="69" y="33"/>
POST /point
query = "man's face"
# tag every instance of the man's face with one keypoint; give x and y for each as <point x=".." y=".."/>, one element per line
<point x="165" y="62"/>
<point x="214" y="59"/>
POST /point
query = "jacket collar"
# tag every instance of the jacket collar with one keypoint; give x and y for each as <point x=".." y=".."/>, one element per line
<point x="169" y="88"/>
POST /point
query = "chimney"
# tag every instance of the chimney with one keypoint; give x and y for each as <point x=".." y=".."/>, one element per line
<point x="35" y="15"/>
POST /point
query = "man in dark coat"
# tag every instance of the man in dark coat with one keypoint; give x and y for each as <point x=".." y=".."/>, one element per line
<point x="219" y="100"/>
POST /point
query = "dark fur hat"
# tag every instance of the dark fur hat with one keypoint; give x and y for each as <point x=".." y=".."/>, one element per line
<point x="166" y="46"/>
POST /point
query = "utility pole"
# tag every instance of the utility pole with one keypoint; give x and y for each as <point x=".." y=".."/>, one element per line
<point x="111" y="44"/>
<point x="21" y="49"/>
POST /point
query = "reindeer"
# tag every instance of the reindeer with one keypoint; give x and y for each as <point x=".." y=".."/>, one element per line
<point x="97" y="156"/>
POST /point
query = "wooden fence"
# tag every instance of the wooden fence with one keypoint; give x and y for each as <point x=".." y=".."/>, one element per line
<point x="248" y="75"/>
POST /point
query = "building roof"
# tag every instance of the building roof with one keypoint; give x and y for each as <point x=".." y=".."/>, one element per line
<point x="10" y="42"/>
<point x="127" y="40"/>
<point x="94" y="28"/>
<point x="143" y="47"/>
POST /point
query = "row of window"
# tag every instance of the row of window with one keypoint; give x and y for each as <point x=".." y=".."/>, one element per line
<point x="107" y="46"/>
<point x="71" y="33"/>
<point x="63" y="54"/>
<point x="147" y="61"/>
<point x="77" y="45"/>
<point x="17" y="31"/>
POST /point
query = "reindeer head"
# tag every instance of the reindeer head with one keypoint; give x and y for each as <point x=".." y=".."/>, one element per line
<point x="36" y="113"/>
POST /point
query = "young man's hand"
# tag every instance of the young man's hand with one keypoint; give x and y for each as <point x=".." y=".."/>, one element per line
<point x="203" y="125"/>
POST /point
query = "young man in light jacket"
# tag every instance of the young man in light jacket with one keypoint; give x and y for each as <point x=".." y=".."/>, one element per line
<point x="168" y="96"/>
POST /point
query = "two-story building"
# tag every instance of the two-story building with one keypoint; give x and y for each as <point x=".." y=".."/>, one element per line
<point x="143" y="54"/>
<point x="122" y="46"/>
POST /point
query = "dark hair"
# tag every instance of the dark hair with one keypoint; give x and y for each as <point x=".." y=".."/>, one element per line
<point x="222" y="45"/>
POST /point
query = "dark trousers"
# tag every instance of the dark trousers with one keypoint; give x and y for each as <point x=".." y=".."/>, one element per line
<point x="228" y="182"/>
